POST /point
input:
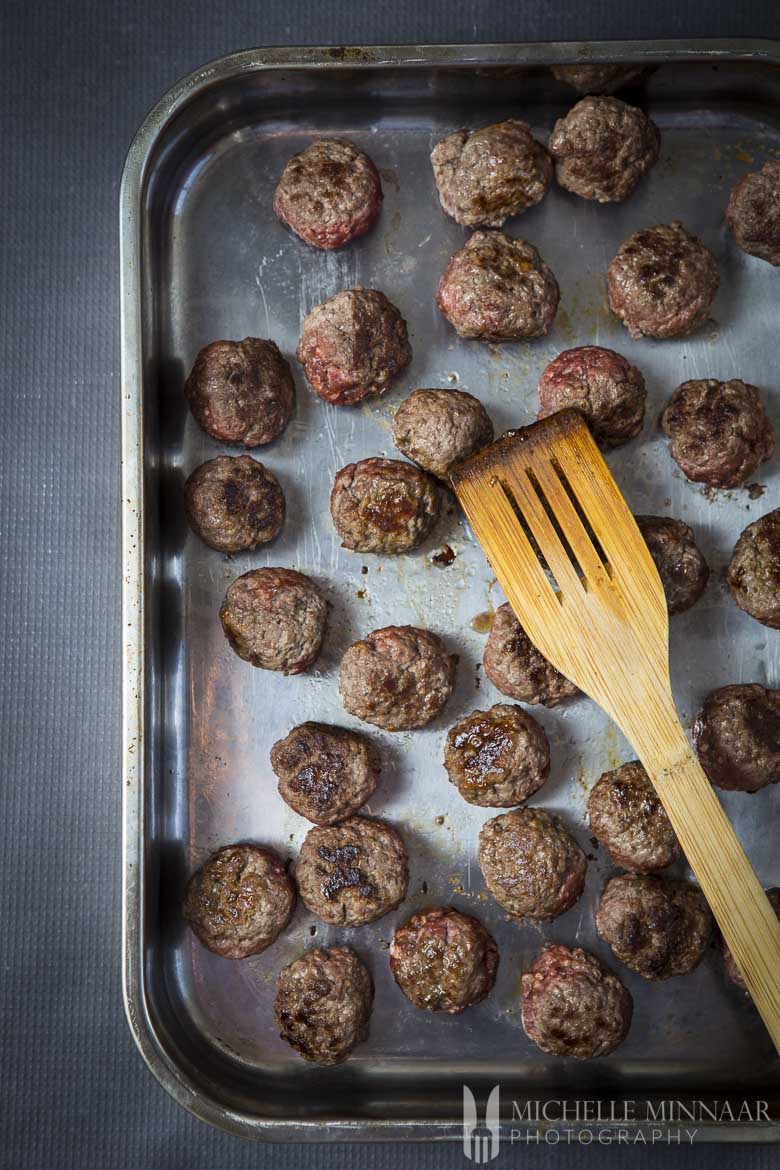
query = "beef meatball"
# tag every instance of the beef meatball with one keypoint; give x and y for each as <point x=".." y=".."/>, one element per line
<point x="239" y="901"/>
<point x="353" y="346"/>
<point x="352" y="873"/>
<point x="329" y="194"/>
<point x="532" y="865"/>
<point x="602" y="386"/>
<point x="241" y="391"/>
<point x="682" y="568"/>
<point x="498" y="289"/>
<point x="485" y="176"/>
<point x="658" y="928"/>
<point x="737" y="737"/>
<point x="517" y="668"/>
<point x="323" y="1004"/>
<point x="602" y="148"/>
<point x="443" y="961"/>
<point x="383" y="506"/>
<point x="437" y="428"/>
<point x="325" y="773"/>
<point x="753" y="574"/>
<point x="573" y="1005"/>
<point x="398" y="678"/>
<point x="275" y="619"/>
<point x="662" y="282"/>
<point x="497" y="758"/>
<point x="630" y="822"/>
<point x="719" y="431"/>
<point x="600" y="78"/>
<point x="234" y="503"/>
<point x="753" y="213"/>
<point x="732" y="970"/>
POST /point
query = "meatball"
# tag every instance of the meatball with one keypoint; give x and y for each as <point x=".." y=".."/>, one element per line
<point x="353" y="346"/>
<point x="239" y="901"/>
<point x="352" y="873"/>
<point x="532" y="865"/>
<point x="657" y="927"/>
<point x="329" y="194"/>
<point x="737" y="737"/>
<point x="443" y="961"/>
<point x="485" y="176"/>
<point x="383" y="506"/>
<point x="602" y="148"/>
<point x="630" y="822"/>
<point x="275" y="619"/>
<point x="241" y="391"/>
<point x="732" y="970"/>
<point x="325" y="773"/>
<point x="753" y="213"/>
<point x="719" y="431"/>
<point x="497" y="758"/>
<point x="682" y="568"/>
<point x="437" y="428"/>
<point x="573" y="1005"/>
<point x="517" y="668"/>
<point x="600" y="78"/>
<point x="498" y="289"/>
<point x="662" y="282"/>
<point x="753" y="574"/>
<point x="234" y="503"/>
<point x="323" y="1004"/>
<point x="398" y="678"/>
<point x="602" y="385"/>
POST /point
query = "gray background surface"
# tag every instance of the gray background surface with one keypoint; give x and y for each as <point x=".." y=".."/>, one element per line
<point x="76" y="80"/>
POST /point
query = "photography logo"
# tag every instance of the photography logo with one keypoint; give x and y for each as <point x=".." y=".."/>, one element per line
<point x="478" y="1145"/>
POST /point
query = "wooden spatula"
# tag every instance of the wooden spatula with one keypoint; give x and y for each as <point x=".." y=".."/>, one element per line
<point x="546" y="492"/>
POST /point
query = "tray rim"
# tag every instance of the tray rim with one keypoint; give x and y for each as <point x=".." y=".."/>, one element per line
<point x="146" y="1032"/>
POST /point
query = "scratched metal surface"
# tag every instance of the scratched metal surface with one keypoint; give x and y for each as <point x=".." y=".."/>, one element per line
<point x="222" y="266"/>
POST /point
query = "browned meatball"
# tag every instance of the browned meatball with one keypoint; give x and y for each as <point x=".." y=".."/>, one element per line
<point x="497" y="758"/>
<point x="532" y="865"/>
<point x="443" y="961"/>
<point x="234" y="503"/>
<point x="662" y="282"/>
<point x="325" y="773"/>
<point x="329" y="194"/>
<point x="498" y="289"/>
<point x="602" y="385"/>
<point x="682" y="568"/>
<point x="383" y="506"/>
<point x="753" y="574"/>
<point x="602" y="148"/>
<point x="352" y="873"/>
<point x="398" y="678"/>
<point x="732" y="970"/>
<point x="737" y="737"/>
<point x="516" y="667"/>
<point x="753" y="213"/>
<point x="323" y="1004"/>
<point x="720" y="432"/>
<point x="658" y="928"/>
<point x="241" y="391"/>
<point x="239" y="901"/>
<point x="485" y="176"/>
<point x="275" y="619"/>
<point x="600" y="78"/>
<point x="437" y="428"/>
<point x="630" y="821"/>
<point x="353" y="346"/>
<point x="573" y="1005"/>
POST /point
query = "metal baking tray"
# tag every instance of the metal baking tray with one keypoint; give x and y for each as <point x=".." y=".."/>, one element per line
<point x="204" y="257"/>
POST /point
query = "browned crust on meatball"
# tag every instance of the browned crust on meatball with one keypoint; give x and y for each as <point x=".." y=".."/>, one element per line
<point x="241" y="391"/>
<point x="275" y="619"/>
<point x="325" y="773"/>
<point x="656" y="927"/>
<point x="398" y="677"/>
<point x="532" y="865"/>
<point x="732" y="970"/>
<point x="602" y="148"/>
<point x="753" y="213"/>
<point x="240" y="900"/>
<point x="753" y="573"/>
<point x="437" y="428"/>
<point x="329" y="194"/>
<point x="630" y="822"/>
<point x="234" y="503"/>
<point x="720" y="432"/>
<point x="600" y="78"/>
<point x="737" y="737"/>
<point x="602" y="385"/>
<point x="383" y="506"/>
<point x="323" y="1004"/>
<point x="443" y="961"/>
<point x="497" y="758"/>
<point x="681" y="566"/>
<point x="517" y="668"/>
<point x="352" y="873"/>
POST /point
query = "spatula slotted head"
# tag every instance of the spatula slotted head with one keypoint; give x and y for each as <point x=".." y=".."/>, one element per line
<point x="545" y="494"/>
